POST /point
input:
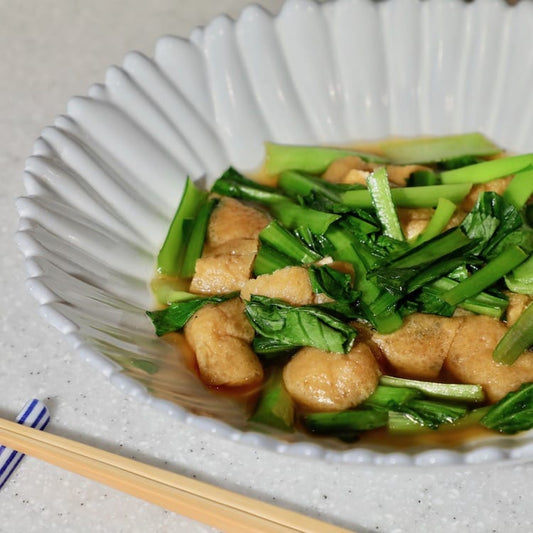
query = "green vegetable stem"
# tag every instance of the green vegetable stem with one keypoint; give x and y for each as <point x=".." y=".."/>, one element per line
<point x="170" y="258"/>
<point x="313" y="159"/>
<point x="425" y="150"/>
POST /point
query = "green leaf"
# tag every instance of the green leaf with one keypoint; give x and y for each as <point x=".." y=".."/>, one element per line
<point x="483" y="303"/>
<point x="299" y="326"/>
<point x="176" y="315"/>
<point x="281" y="239"/>
<point x="235" y="185"/>
<point x="269" y="260"/>
<point x="513" y="413"/>
<point x="431" y="413"/>
<point x="490" y="221"/>
<point x="337" y="285"/>
<point x="300" y="185"/>
<point x="521" y="278"/>
<point x="390" y="397"/>
<point x="422" y="178"/>
<point x="458" y="162"/>
<point x="270" y="348"/>
<point x="294" y="216"/>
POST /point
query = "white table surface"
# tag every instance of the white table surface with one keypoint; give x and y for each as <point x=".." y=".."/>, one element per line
<point x="49" y="51"/>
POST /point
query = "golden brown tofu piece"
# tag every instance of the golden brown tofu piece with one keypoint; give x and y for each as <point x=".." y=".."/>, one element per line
<point x="232" y="219"/>
<point x="398" y="174"/>
<point x="327" y="381"/>
<point x="418" y="349"/>
<point x="290" y="284"/>
<point x="355" y="177"/>
<point x="470" y="358"/>
<point x="456" y="219"/>
<point x="224" y="268"/>
<point x="517" y="305"/>
<point x="414" y="221"/>
<point x="232" y="247"/>
<point x="221" y="274"/>
<point x="353" y="169"/>
<point x="220" y="336"/>
<point x="339" y="170"/>
<point x="498" y="185"/>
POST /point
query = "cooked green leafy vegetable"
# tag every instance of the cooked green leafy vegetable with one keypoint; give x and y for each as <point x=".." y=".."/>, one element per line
<point x="333" y="283"/>
<point x="440" y="219"/>
<point x="345" y="425"/>
<point x="314" y="159"/>
<point x="274" y="407"/>
<point x="176" y="315"/>
<point x="517" y="339"/>
<point x="196" y="238"/>
<point x="487" y="170"/>
<point x="513" y="413"/>
<point x="170" y="258"/>
<point x="413" y="197"/>
<point x="520" y="280"/>
<point x="493" y="222"/>
<point x="351" y="240"/>
<point x="446" y="391"/>
<point x="315" y="191"/>
<point x="280" y="238"/>
<point x="520" y="189"/>
<point x="378" y="186"/>
<point x="235" y="185"/>
<point x="438" y="149"/>
<point x="299" y="326"/>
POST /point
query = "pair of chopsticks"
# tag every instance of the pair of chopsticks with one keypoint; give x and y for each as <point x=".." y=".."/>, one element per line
<point x="200" y="501"/>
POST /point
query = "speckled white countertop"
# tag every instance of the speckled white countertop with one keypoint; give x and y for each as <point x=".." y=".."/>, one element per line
<point x="51" y="50"/>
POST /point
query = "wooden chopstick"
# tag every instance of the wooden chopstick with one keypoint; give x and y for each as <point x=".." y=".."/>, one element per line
<point x="195" y="499"/>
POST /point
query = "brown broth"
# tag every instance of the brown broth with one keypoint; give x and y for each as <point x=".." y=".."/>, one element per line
<point x="446" y="436"/>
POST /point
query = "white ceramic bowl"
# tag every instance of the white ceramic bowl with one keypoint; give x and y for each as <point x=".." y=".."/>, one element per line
<point x="104" y="180"/>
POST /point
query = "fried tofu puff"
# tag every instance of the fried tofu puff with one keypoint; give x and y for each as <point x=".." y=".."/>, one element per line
<point x="224" y="268"/>
<point x="220" y="336"/>
<point x="353" y="170"/>
<point x="290" y="284"/>
<point x="327" y="381"/>
<point x="470" y="358"/>
<point x="231" y="220"/>
<point x="419" y="348"/>
<point x="414" y="221"/>
<point x="230" y="248"/>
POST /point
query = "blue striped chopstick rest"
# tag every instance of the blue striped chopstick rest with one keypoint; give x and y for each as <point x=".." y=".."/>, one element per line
<point x="35" y="415"/>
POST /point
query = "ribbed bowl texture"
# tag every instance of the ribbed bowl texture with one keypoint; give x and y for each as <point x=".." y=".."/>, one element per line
<point x="104" y="180"/>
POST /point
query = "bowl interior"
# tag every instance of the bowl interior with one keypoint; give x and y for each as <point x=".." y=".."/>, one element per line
<point x="103" y="181"/>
